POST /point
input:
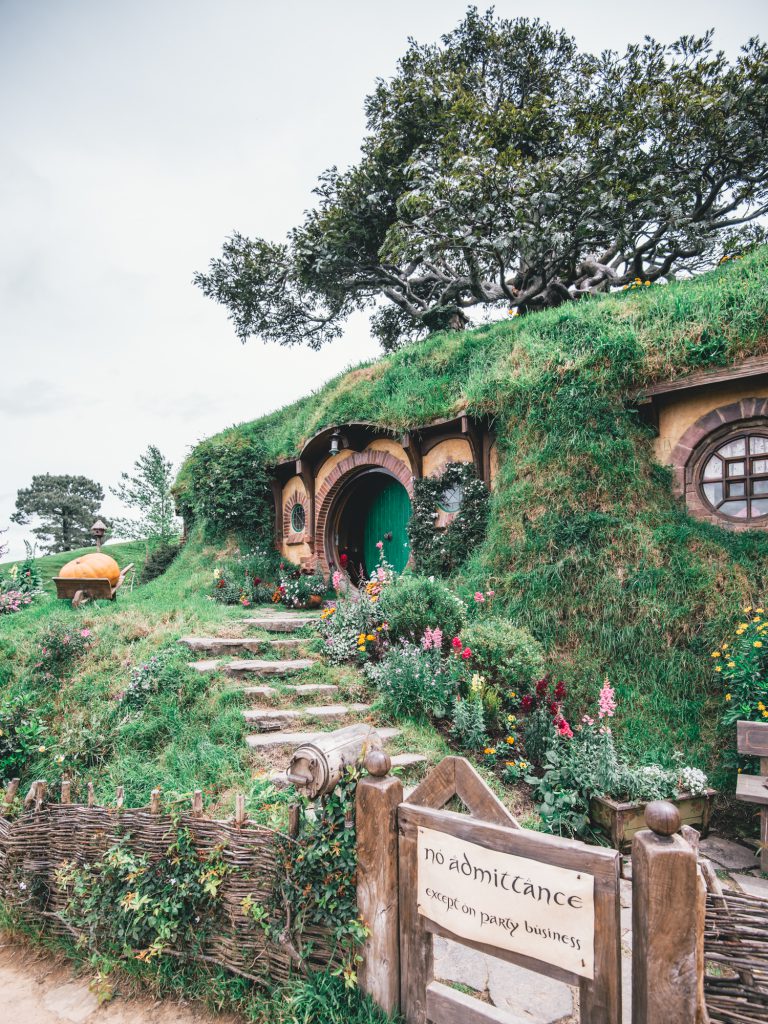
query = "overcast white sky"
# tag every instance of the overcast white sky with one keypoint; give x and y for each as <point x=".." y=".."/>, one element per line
<point x="134" y="136"/>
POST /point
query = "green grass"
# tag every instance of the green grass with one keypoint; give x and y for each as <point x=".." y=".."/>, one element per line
<point x="587" y="547"/>
<point x="50" y="565"/>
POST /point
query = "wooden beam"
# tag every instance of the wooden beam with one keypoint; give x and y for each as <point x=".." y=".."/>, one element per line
<point x="377" y="801"/>
<point x="752" y="788"/>
<point x="753" y="367"/>
<point x="448" y="1006"/>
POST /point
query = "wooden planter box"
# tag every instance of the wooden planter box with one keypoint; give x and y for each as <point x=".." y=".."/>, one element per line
<point x="621" y="820"/>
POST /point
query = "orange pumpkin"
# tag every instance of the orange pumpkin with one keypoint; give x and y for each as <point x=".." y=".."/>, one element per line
<point x="92" y="567"/>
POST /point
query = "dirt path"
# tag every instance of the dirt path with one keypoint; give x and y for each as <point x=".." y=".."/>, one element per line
<point x="36" y="988"/>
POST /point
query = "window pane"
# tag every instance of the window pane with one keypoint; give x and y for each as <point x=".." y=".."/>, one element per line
<point x="759" y="507"/>
<point x="737" y="489"/>
<point x="736" y="468"/>
<point x="298" y="519"/>
<point x="734" y="448"/>
<point x="714" y="493"/>
<point x="760" y="465"/>
<point x="451" y="498"/>
<point x="758" y="445"/>
<point x="734" y="509"/>
<point x="713" y="469"/>
<point x="760" y="486"/>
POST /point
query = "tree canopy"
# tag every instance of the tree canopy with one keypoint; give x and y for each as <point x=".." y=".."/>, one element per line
<point x="148" y="492"/>
<point x="66" y="507"/>
<point x="504" y="167"/>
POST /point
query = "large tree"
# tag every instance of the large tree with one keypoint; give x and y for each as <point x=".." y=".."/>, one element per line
<point x="66" y="507"/>
<point x="503" y="166"/>
<point x="148" y="492"/>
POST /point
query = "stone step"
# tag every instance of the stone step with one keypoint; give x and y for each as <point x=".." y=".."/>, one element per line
<point x="284" y="623"/>
<point x="235" y="645"/>
<point x="207" y="665"/>
<point x="300" y="690"/>
<point x="269" y="668"/>
<point x="269" y="719"/>
<point x="262" y="740"/>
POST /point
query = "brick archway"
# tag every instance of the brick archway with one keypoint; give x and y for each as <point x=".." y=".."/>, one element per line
<point x="748" y="412"/>
<point x="339" y="476"/>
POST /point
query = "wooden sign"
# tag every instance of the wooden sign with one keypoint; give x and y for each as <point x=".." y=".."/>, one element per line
<point x="537" y="909"/>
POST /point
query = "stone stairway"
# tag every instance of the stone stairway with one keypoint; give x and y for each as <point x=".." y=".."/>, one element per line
<point x="275" y="728"/>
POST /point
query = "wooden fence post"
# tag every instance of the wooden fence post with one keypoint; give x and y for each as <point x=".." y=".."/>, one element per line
<point x="665" y="896"/>
<point x="378" y="797"/>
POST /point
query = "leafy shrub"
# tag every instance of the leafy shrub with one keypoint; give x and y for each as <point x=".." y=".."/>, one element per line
<point x="247" y="579"/>
<point x="158" y="560"/>
<point x="543" y="718"/>
<point x="60" y="644"/>
<point x="413" y="604"/>
<point x="324" y="996"/>
<point x="129" y="905"/>
<point x="468" y="727"/>
<point x="742" y="663"/>
<point x="414" y="681"/>
<point x="13" y="601"/>
<point x="22" y="735"/>
<point x="353" y="630"/>
<point x="159" y="673"/>
<point x="225" y="484"/>
<point x="507" y="656"/>
<point x="441" y="552"/>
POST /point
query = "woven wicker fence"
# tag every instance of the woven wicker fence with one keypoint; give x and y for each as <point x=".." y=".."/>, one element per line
<point x="736" y="944"/>
<point x="36" y="844"/>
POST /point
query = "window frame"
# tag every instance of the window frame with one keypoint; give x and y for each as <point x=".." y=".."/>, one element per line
<point x="746" y="477"/>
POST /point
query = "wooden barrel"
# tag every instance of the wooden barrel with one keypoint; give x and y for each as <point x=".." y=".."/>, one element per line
<point x="317" y="766"/>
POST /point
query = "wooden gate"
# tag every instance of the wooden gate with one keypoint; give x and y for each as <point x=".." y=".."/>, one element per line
<point x="482" y="881"/>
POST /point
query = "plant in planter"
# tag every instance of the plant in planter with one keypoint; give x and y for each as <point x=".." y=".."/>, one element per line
<point x="300" y="589"/>
<point x="587" y="785"/>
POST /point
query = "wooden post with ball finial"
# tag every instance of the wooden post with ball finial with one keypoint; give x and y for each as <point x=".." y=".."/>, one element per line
<point x="664" y="921"/>
<point x="378" y="797"/>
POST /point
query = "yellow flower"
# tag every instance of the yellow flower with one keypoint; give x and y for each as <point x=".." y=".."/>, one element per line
<point x="758" y="643"/>
<point x="370" y="637"/>
<point x="725" y="647"/>
<point x="511" y="740"/>
<point x="511" y="718"/>
<point x="523" y="764"/>
<point x="477" y="683"/>
<point x="756" y="618"/>
<point x="41" y="750"/>
<point x="731" y="664"/>
<point x="718" y="668"/>
<point x="727" y="696"/>
<point x="490" y="750"/>
<point x="512" y="695"/>
<point x="761" y="706"/>
<point x="362" y="648"/>
<point x="715" y="654"/>
<point x="759" y="611"/>
<point x="748" y="609"/>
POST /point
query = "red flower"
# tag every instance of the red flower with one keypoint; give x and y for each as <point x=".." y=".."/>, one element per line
<point x="560" y="691"/>
<point x="343" y="559"/>
<point x="456" y="642"/>
<point x="526" y="703"/>
<point x="542" y="686"/>
<point x="256" y="581"/>
<point x="554" y="707"/>
<point x="466" y="653"/>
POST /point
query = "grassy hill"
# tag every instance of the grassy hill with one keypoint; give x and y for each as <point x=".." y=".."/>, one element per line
<point x="50" y="565"/>
<point x="587" y="546"/>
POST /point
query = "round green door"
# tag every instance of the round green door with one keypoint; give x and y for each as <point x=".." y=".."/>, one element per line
<point x="386" y="521"/>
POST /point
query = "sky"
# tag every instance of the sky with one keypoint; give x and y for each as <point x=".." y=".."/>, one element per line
<point x="136" y="135"/>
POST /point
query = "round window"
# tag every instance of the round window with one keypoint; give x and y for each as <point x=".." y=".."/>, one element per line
<point x="298" y="519"/>
<point x="734" y="477"/>
<point x="451" y="498"/>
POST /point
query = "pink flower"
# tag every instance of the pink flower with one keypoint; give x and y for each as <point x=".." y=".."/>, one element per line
<point x="380" y="544"/>
<point x="336" y="580"/>
<point x="490" y="593"/>
<point x="587" y="720"/>
<point x="432" y="639"/>
<point x="479" y="597"/>
<point x="85" y="633"/>
<point x="456" y="642"/>
<point x="564" y="729"/>
<point x="466" y="653"/>
<point x="607" y="701"/>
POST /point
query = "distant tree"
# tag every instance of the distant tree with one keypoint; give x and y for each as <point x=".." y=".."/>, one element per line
<point x="66" y="507"/>
<point x="504" y="168"/>
<point x="3" y="547"/>
<point x="148" y="491"/>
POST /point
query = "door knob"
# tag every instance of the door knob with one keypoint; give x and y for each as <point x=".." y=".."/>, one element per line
<point x="388" y="535"/>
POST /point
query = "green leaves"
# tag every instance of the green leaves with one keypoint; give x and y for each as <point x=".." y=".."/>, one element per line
<point x="502" y="167"/>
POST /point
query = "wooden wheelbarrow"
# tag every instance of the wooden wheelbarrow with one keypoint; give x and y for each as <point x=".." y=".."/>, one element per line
<point x="81" y="590"/>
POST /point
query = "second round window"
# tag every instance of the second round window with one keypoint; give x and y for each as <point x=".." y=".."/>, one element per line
<point x="298" y="519"/>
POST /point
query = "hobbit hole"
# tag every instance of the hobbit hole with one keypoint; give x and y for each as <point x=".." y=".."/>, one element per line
<point x="352" y="485"/>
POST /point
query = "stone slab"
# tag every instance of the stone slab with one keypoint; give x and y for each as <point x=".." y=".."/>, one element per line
<point x="301" y="690"/>
<point x="264" y="740"/>
<point x="752" y="885"/>
<point x="407" y="760"/>
<point x="282" y="623"/>
<point x="207" y="665"/>
<point x="724" y="853"/>
<point x="232" y="645"/>
<point x="523" y="994"/>
<point x="278" y="718"/>
<point x="269" y="668"/>
<point x="73" y="1002"/>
